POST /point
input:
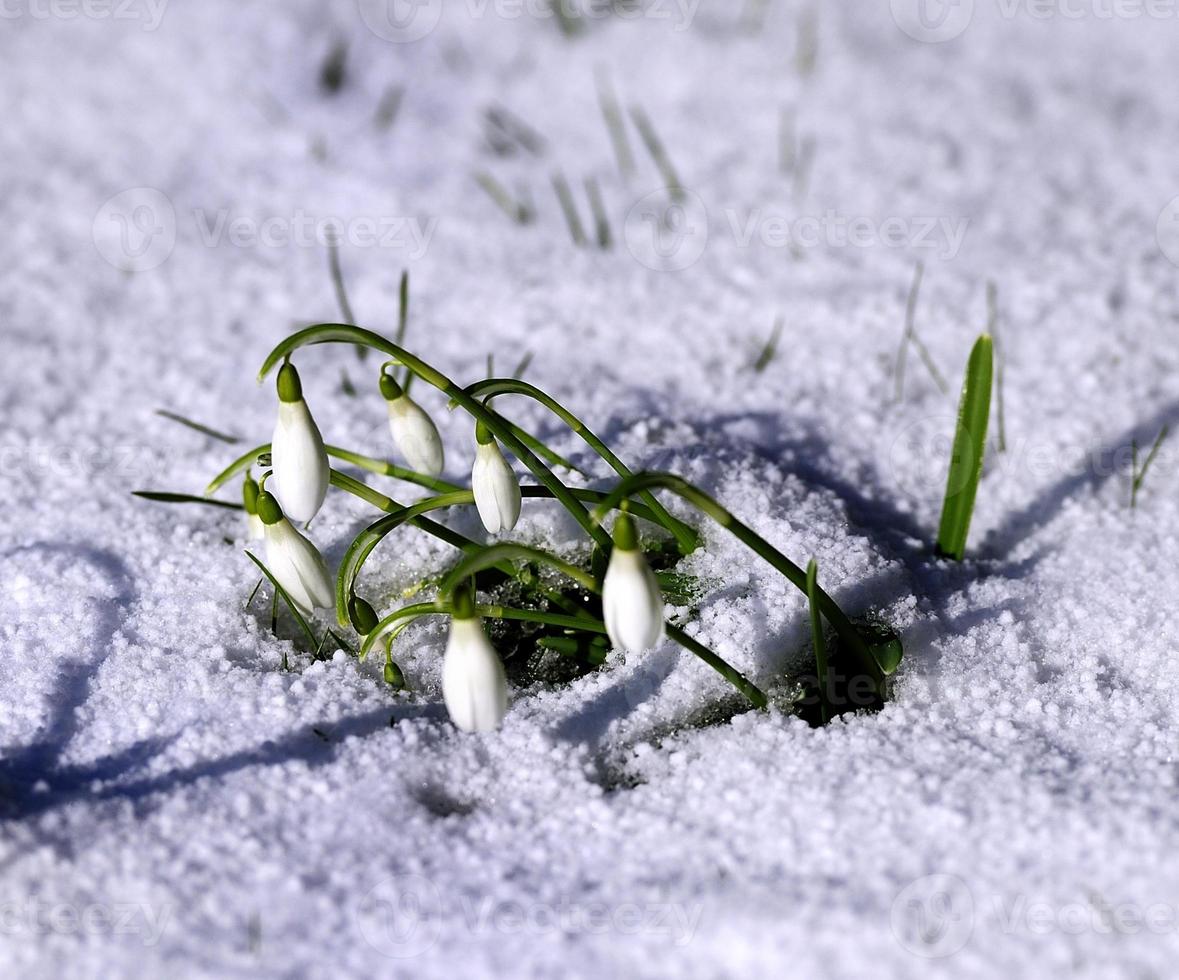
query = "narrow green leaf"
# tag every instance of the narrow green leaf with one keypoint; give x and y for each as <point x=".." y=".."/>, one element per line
<point x="280" y="591"/>
<point x="970" y="442"/>
<point x="204" y="429"/>
<point x="160" y="497"/>
<point x="812" y="595"/>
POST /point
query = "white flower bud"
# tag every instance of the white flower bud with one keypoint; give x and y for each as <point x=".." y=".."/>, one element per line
<point x="298" y="566"/>
<point x="301" y="469"/>
<point x="632" y="604"/>
<point x="473" y="683"/>
<point x="497" y="491"/>
<point x="415" y="435"/>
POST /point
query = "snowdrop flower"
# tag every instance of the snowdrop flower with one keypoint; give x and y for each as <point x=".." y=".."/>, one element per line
<point x="473" y="683"/>
<point x="255" y="529"/>
<point x="497" y="491"/>
<point x="293" y="560"/>
<point x="414" y="432"/>
<point x="301" y="469"/>
<point x="631" y="600"/>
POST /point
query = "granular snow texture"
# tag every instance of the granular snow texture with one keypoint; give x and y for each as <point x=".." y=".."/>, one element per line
<point x="174" y="804"/>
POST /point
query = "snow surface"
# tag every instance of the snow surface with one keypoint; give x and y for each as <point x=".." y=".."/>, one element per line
<point x="175" y="805"/>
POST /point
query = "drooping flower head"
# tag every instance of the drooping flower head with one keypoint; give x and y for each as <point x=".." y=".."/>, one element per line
<point x="301" y="469"/>
<point x="631" y="601"/>
<point x="255" y="529"/>
<point x="497" y="491"/>
<point x="414" y="432"/>
<point x="474" y="686"/>
<point x="293" y="560"/>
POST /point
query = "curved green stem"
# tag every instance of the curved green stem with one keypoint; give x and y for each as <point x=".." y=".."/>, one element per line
<point x="366" y="493"/>
<point x="468" y="566"/>
<point x="685" y="536"/>
<point x="363" y="544"/>
<point x="378" y="466"/>
<point x="752" y="540"/>
<point x="342" y="333"/>
<point x="511" y="552"/>
<point x="401" y="618"/>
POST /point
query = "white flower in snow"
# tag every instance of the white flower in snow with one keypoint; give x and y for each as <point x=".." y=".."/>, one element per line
<point x="301" y="470"/>
<point x="631" y="601"/>
<point x="473" y="683"/>
<point x="414" y="432"/>
<point x="497" y="491"/>
<point x="293" y="560"/>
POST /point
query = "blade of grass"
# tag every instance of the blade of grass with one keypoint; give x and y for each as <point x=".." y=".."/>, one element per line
<point x="333" y="246"/>
<point x="970" y="442"/>
<point x="280" y="591"/>
<point x="601" y="221"/>
<point x="389" y="108"/>
<point x="658" y="153"/>
<point x="161" y="497"/>
<point x="910" y="337"/>
<point x="770" y="349"/>
<point x="1000" y="362"/>
<point x="204" y="429"/>
<point x="517" y="211"/>
<point x="569" y="208"/>
<point x="1140" y="475"/>
<point x="615" y="126"/>
<point x="817" y="639"/>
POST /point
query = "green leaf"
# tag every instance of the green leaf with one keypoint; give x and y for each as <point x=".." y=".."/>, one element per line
<point x="820" y="644"/>
<point x="160" y="497"/>
<point x="280" y="591"/>
<point x="970" y="443"/>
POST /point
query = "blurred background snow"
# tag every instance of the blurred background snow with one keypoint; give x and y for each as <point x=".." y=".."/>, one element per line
<point x="174" y="804"/>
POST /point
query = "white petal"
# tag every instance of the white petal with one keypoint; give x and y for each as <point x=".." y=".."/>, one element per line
<point x="255" y="529"/>
<point x="632" y="604"/>
<point x="473" y="683"/>
<point x="497" y="491"/>
<point x="299" y="567"/>
<point x="416" y="436"/>
<point x="301" y="469"/>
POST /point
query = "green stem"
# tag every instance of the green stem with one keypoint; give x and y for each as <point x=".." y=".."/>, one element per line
<point x="378" y="466"/>
<point x="686" y="537"/>
<point x="756" y="543"/>
<point x="406" y="613"/>
<point x="468" y="566"/>
<point x="343" y="333"/>
<point x="342" y="481"/>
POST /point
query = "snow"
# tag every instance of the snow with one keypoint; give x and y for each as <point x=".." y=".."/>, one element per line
<point x="174" y="804"/>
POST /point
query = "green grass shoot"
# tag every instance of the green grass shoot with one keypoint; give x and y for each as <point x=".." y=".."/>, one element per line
<point x="970" y="442"/>
<point x="1000" y="362"/>
<point x="161" y="497"/>
<point x="1139" y="475"/>
<point x="518" y="211"/>
<point x="199" y="427"/>
<point x="601" y="221"/>
<point x="569" y="209"/>
<point x="615" y="125"/>
<point x="910" y="337"/>
<point x="658" y="151"/>
<point x="770" y="350"/>
<point x="820" y="644"/>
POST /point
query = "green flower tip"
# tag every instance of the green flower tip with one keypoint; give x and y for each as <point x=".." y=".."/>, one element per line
<point x="362" y="615"/>
<point x="268" y="508"/>
<point x="626" y="538"/>
<point x="390" y="388"/>
<point x="483" y="435"/>
<point x="290" y="388"/>
<point x="250" y="495"/>
<point x="463" y="604"/>
<point x="393" y="676"/>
